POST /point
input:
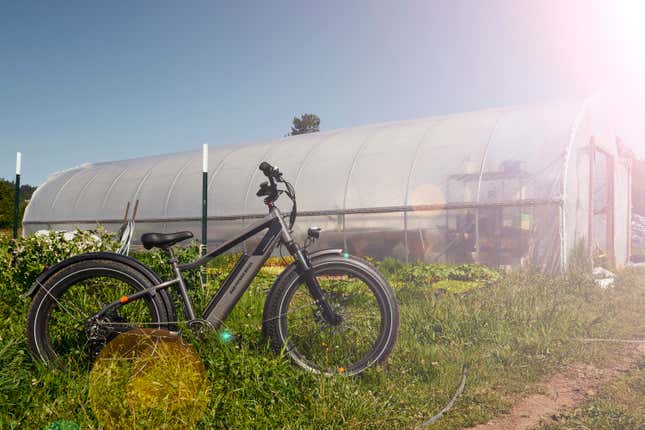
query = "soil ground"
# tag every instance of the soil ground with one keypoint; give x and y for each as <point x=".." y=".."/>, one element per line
<point x="565" y="391"/>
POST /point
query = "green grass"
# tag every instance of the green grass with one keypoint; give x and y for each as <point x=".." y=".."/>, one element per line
<point x="454" y="286"/>
<point x="512" y="331"/>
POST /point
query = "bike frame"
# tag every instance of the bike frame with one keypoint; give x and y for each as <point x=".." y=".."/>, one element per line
<point x="238" y="281"/>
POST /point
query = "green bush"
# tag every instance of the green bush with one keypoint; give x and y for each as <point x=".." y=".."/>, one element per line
<point x="421" y="274"/>
<point x="26" y="258"/>
<point x="157" y="260"/>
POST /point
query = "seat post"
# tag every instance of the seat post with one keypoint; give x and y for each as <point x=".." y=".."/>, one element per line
<point x="171" y="256"/>
<point x="188" y="307"/>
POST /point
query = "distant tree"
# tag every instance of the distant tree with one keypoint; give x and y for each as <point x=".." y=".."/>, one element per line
<point x="307" y="123"/>
<point x="7" y="189"/>
<point x="6" y="204"/>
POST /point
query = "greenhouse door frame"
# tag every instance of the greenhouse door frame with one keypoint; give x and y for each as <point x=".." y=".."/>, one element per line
<point x="609" y="207"/>
<point x="628" y="167"/>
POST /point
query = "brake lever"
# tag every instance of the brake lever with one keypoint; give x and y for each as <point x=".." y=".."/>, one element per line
<point x="264" y="190"/>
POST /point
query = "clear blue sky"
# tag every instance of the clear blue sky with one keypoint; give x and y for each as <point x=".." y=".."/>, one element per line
<point x="93" y="81"/>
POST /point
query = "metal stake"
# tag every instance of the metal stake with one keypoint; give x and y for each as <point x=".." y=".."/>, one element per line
<point x="202" y="248"/>
<point x="204" y="196"/>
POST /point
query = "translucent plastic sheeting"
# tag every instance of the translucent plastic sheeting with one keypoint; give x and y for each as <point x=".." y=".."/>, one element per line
<point x="404" y="189"/>
<point x="378" y="235"/>
<point x="525" y="236"/>
<point x="441" y="236"/>
<point x="601" y="204"/>
<point x="374" y="179"/>
<point x="576" y="204"/>
<point x="622" y="209"/>
<point x="527" y="154"/>
<point x="447" y="162"/>
<point x="332" y="231"/>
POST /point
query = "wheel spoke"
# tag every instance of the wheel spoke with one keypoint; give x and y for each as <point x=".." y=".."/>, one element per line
<point x="82" y="318"/>
<point x="70" y="333"/>
<point x="334" y="348"/>
<point x="290" y="311"/>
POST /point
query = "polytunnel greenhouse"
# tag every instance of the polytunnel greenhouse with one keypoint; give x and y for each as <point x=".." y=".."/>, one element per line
<point x="504" y="187"/>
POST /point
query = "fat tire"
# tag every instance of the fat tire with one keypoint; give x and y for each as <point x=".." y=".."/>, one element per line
<point x="274" y="328"/>
<point x="56" y="285"/>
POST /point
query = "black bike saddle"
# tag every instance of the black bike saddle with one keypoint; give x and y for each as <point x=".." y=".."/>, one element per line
<point x="163" y="241"/>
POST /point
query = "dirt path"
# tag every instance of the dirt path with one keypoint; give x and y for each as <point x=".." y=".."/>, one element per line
<point x="564" y="391"/>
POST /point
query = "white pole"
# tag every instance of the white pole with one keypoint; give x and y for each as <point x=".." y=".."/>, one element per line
<point x="205" y="158"/>
<point x="18" y="162"/>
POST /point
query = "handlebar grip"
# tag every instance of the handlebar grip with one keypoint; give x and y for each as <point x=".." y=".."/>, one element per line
<point x="266" y="168"/>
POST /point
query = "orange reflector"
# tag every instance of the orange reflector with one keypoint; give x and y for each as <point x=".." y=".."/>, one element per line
<point x="124" y="299"/>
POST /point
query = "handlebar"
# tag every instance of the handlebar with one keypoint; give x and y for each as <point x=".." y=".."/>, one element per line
<point x="270" y="171"/>
<point x="270" y="190"/>
<point x="266" y="168"/>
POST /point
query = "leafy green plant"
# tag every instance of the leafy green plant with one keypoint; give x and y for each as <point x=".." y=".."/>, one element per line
<point x="420" y="274"/>
<point x="454" y="286"/>
<point x="29" y="256"/>
<point x="216" y="270"/>
<point x="390" y="266"/>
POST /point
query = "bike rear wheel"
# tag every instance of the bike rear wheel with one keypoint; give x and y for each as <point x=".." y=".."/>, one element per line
<point x="59" y="329"/>
<point x="354" y="290"/>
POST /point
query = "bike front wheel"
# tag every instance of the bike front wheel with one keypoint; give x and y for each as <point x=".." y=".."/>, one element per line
<point x="354" y="289"/>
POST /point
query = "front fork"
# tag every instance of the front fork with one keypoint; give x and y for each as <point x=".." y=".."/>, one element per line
<point x="304" y="269"/>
